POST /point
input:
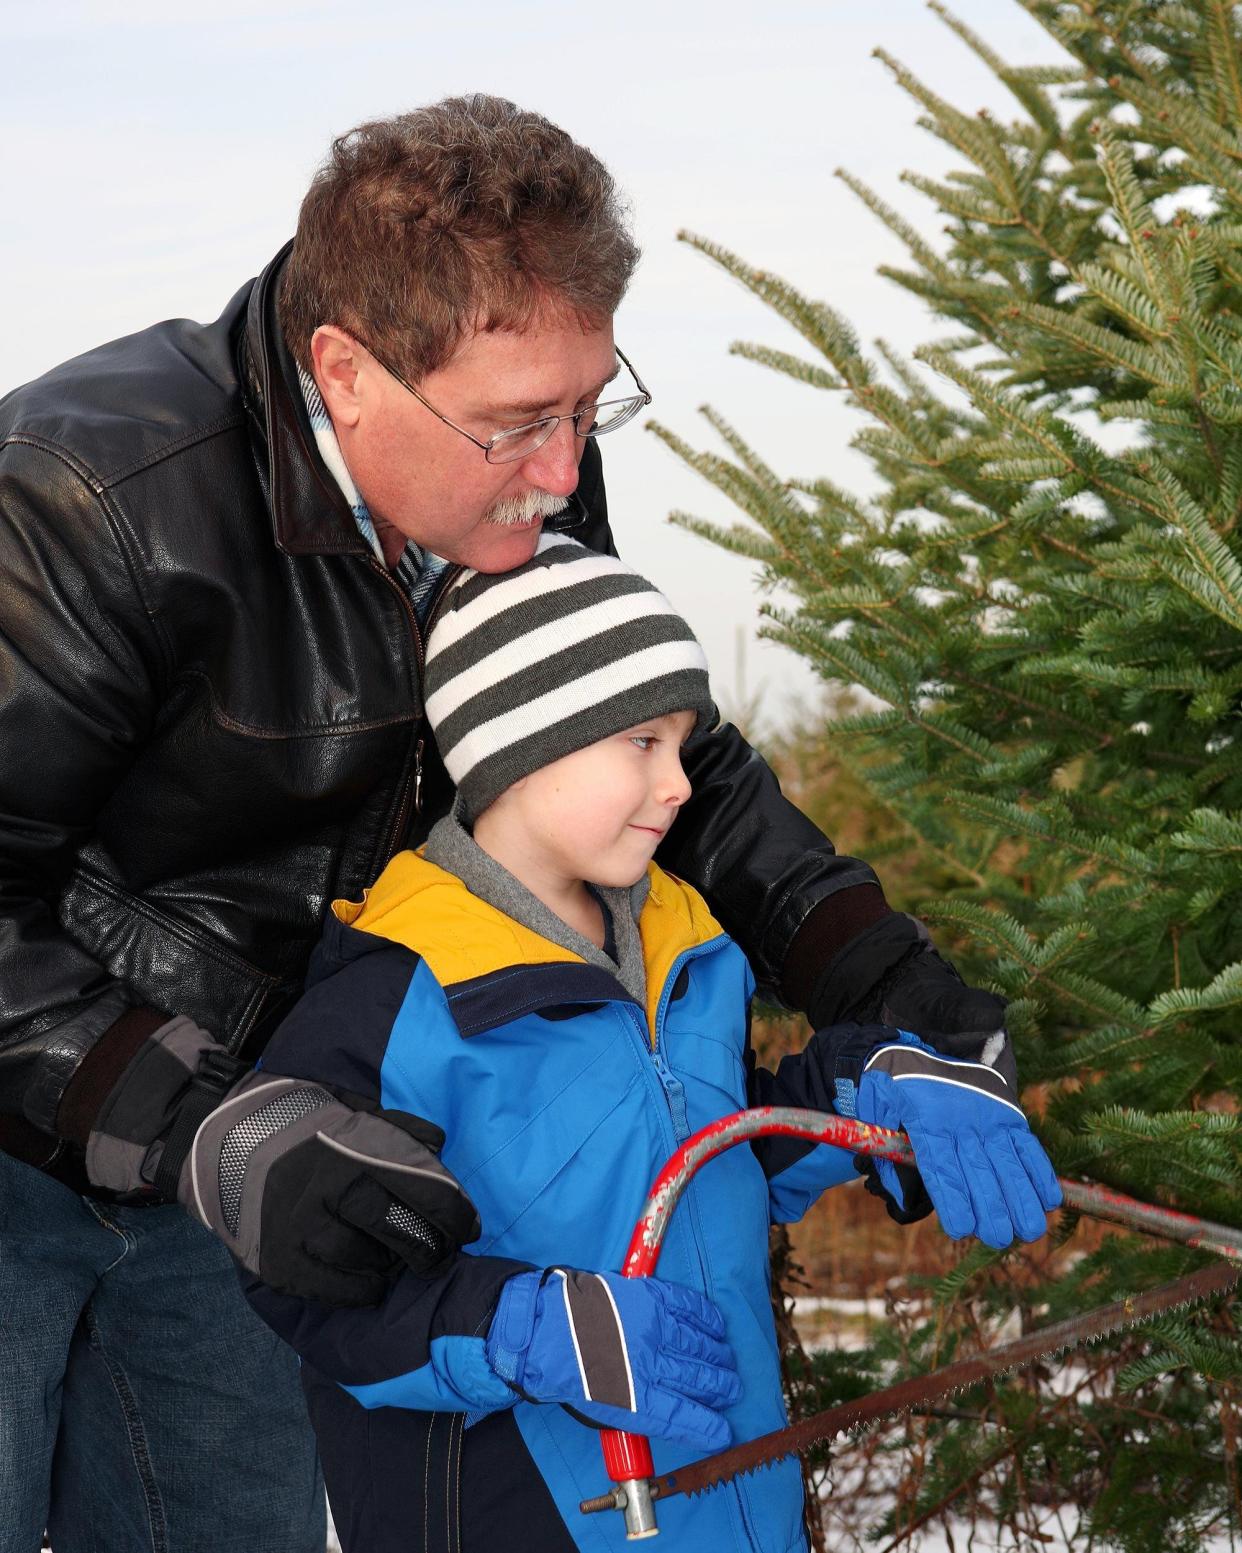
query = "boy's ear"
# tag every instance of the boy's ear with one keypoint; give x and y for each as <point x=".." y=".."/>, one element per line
<point x="513" y="787"/>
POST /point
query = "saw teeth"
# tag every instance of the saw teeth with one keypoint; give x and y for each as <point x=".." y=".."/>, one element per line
<point x="851" y="1419"/>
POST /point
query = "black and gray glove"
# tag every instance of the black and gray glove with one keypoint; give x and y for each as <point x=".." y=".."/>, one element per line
<point x="319" y="1194"/>
<point x="890" y="974"/>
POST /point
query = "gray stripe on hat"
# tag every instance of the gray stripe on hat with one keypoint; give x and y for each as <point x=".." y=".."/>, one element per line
<point x="524" y="615"/>
<point x="682" y="691"/>
<point x="608" y="649"/>
<point x="556" y="635"/>
<point x="559" y="552"/>
<point x="523" y="582"/>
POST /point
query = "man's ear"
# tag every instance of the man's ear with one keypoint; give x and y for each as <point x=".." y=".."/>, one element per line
<point x="336" y="365"/>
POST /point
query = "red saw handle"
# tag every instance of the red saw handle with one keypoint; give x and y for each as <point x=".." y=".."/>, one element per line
<point x="627" y="1457"/>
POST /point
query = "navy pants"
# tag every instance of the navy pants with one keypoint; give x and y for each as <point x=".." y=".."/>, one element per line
<point x="402" y="1481"/>
<point x="144" y="1407"/>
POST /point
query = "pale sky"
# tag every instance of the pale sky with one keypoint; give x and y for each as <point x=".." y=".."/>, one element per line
<point x="154" y="157"/>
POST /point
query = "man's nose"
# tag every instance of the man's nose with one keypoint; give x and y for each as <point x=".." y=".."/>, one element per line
<point x="554" y="466"/>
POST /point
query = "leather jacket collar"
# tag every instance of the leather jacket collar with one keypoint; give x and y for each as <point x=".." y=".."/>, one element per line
<point x="309" y="514"/>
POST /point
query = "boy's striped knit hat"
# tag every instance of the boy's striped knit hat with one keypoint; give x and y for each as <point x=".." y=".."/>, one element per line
<point x="526" y="666"/>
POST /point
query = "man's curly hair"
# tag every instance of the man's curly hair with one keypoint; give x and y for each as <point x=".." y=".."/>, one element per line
<point x="470" y="214"/>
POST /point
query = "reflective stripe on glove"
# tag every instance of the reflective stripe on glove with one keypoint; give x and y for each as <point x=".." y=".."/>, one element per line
<point x="318" y="1195"/>
<point x="983" y="1168"/>
<point x="637" y="1354"/>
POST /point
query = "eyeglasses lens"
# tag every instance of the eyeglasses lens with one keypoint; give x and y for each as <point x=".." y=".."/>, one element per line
<point x="603" y="418"/>
<point x="594" y="420"/>
<point x="521" y="442"/>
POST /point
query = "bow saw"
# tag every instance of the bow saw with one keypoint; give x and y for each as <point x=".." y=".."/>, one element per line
<point x="627" y="1457"/>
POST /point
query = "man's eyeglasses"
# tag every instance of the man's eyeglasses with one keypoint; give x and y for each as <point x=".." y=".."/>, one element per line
<point x="506" y="447"/>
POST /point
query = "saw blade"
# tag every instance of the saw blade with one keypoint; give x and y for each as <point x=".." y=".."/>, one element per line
<point x="921" y="1390"/>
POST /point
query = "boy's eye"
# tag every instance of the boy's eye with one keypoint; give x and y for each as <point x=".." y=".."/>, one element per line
<point x="643" y="740"/>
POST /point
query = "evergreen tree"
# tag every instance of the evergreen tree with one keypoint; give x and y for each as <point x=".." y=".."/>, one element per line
<point x="1043" y="592"/>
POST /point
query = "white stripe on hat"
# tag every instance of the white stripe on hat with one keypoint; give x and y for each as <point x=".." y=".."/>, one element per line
<point x="519" y="654"/>
<point x="564" y="701"/>
<point x="453" y="624"/>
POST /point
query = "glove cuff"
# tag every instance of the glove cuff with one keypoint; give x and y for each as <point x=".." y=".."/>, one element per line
<point x="215" y="1075"/>
<point x="97" y="1075"/>
<point x="843" y="1053"/>
<point x="141" y="1106"/>
<point x="832" y="926"/>
<point x="513" y="1326"/>
<point x="853" y="982"/>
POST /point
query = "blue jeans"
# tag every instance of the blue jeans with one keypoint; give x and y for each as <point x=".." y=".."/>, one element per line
<point x="144" y="1408"/>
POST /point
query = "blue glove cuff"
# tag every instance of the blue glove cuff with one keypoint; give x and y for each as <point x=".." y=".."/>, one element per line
<point x="847" y="1049"/>
<point x="513" y="1325"/>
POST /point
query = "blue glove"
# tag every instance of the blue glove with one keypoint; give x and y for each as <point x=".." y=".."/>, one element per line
<point x="621" y="1353"/>
<point x="983" y="1168"/>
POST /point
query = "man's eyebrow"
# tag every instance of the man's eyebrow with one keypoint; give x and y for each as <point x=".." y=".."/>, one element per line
<point x="537" y="407"/>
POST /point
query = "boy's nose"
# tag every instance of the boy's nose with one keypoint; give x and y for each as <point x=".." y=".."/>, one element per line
<point x="674" y="786"/>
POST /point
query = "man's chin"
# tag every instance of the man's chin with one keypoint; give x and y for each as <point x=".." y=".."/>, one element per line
<point x="499" y="547"/>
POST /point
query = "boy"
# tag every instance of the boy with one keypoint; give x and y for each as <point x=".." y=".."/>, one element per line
<point x="569" y="1013"/>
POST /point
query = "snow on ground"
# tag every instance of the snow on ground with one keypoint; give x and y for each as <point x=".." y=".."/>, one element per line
<point x="846" y="1324"/>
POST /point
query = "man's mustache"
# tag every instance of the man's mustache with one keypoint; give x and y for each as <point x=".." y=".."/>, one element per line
<point x="511" y="510"/>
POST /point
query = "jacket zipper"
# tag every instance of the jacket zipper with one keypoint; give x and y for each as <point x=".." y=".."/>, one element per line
<point x="674" y="1089"/>
<point x="412" y="787"/>
<point x="418" y="775"/>
<point x="675" y="1095"/>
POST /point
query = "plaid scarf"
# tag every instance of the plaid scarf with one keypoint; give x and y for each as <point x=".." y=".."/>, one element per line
<point x="418" y="571"/>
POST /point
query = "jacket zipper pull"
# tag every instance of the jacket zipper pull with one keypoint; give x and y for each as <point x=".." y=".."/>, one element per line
<point x="418" y="777"/>
<point x="675" y="1097"/>
<point x="676" y="1092"/>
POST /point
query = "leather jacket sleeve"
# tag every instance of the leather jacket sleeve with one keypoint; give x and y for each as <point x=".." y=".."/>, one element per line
<point x="78" y="671"/>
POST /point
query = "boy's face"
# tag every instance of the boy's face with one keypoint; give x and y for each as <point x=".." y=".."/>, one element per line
<point x="600" y="813"/>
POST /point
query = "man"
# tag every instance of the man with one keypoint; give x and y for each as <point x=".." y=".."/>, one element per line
<point x="221" y="546"/>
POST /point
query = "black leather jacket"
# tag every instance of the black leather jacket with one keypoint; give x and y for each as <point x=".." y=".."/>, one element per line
<point x="212" y="714"/>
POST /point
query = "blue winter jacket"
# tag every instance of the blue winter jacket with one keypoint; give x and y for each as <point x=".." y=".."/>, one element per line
<point x="560" y="1099"/>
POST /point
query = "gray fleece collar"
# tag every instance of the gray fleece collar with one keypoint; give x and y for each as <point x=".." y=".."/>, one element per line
<point x="451" y="846"/>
